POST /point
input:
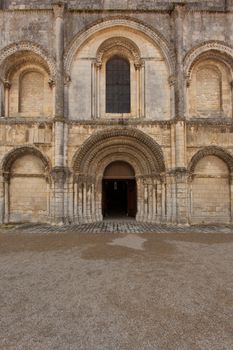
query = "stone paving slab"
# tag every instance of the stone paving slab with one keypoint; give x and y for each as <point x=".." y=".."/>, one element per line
<point x="120" y="227"/>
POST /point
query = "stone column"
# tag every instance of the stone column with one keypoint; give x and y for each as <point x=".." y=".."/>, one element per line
<point x="150" y="200"/>
<point x="60" y="171"/>
<point x="139" y="199"/>
<point x="80" y="201"/>
<point x="7" y="87"/>
<point x="2" y="199"/>
<point x="2" y="113"/>
<point x="231" y="197"/>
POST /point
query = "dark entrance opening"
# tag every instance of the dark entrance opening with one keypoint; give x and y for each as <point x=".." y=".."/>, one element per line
<point x="119" y="192"/>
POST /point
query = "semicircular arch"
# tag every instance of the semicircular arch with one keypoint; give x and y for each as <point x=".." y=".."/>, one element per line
<point x="28" y="46"/>
<point x="136" y="25"/>
<point x="120" y="142"/>
<point x="211" y="151"/>
<point x="209" y="50"/>
<point x="17" y="152"/>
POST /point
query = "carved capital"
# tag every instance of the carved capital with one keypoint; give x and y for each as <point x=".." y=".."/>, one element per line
<point x="138" y="64"/>
<point x="58" y="8"/>
<point x="51" y="83"/>
<point x="67" y="79"/>
<point x="60" y="174"/>
<point x="7" y="84"/>
<point x="180" y="9"/>
<point x="172" y="80"/>
<point x="6" y="176"/>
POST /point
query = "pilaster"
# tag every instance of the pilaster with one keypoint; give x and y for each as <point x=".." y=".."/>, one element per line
<point x="59" y="172"/>
<point x="181" y="180"/>
<point x="60" y="176"/>
<point x="178" y="16"/>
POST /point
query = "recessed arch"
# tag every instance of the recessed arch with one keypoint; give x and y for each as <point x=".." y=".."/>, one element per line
<point x="26" y="182"/>
<point x="122" y="145"/>
<point x="17" y="152"/>
<point x="121" y="46"/>
<point x="126" y="22"/>
<point x="120" y="136"/>
<point x="22" y="48"/>
<point x="211" y="150"/>
<point x="209" y="186"/>
<point x="212" y="49"/>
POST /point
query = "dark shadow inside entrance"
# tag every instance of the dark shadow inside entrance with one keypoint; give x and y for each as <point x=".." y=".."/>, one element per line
<point x="119" y="198"/>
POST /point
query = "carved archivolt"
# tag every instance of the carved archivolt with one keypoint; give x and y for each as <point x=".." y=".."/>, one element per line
<point x="120" y="143"/>
<point x="209" y="50"/>
<point x="211" y="151"/>
<point x="156" y="37"/>
<point x="17" y="152"/>
<point x="119" y="45"/>
<point x="24" y="48"/>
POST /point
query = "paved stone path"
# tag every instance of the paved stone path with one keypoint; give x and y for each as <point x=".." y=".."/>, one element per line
<point x="120" y="227"/>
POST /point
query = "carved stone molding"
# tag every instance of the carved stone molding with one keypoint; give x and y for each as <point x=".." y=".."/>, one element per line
<point x="24" y="47"/>
<point x="214" y="151"/>
<point x="20" y="151"/>
<point x="127" y="22"/>
<point x="207" y="50"/>
<point x="121" y="45"/>
<point x="120" y="142"/>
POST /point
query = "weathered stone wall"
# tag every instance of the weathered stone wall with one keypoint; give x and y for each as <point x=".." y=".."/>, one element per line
<point x="178" y="136"/>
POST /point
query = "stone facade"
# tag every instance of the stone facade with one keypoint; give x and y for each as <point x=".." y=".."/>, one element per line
<point x="56" y="139"/>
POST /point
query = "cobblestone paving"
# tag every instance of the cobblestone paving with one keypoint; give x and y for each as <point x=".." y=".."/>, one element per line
<point x="120" y="227"/>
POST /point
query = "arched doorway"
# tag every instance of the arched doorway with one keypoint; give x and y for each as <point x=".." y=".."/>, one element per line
<point x="119" y="192"/>
<point x="122" y="154"/>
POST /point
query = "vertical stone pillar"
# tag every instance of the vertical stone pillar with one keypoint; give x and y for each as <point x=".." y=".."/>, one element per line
<point x="2" y="113"/>
<point x="6" y="197"/>
<point x="139" y="199"/>
<point x="150" y="201"/>
<point x="179" y="170"/>
<point x="80" y="201"/>
<point x="7" y="87"/>
<point x="75" y="200"/>
<point x="60" y="171"/>
<point x="181" y="196"/>
<point x="178" y="16"/>
<point x="145" y="213"/>
<point x="142" y="111"/>
<point x="231" y="197"/>
<point x="60" y="176"/>
<point x="2" y="199"/>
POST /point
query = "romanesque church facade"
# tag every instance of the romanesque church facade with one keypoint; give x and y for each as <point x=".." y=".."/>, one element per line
<point x="116" y="108"/>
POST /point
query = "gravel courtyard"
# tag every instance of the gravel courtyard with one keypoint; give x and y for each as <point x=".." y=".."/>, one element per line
<point x="69" y="291"/>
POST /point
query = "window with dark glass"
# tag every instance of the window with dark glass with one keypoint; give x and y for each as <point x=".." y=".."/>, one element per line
<point x="117" y="85"/>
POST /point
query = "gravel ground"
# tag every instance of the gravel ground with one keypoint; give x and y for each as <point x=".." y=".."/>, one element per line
<point x="67" y="291"/>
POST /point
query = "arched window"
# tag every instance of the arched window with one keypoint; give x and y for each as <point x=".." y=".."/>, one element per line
<point x="118" y="85"/>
